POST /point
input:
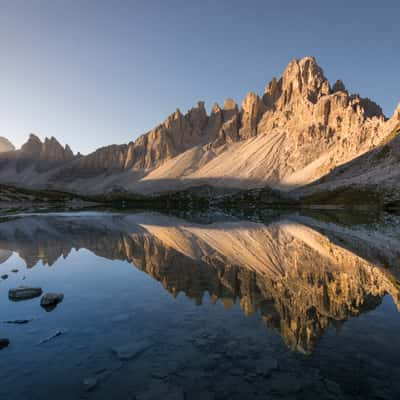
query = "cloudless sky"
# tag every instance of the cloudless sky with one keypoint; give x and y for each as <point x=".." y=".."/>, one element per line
<point x="92" y="72"/>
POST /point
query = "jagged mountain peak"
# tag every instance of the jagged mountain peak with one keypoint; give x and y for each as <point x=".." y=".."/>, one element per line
<point x="32" y="145"/>
<point x="230" y="104"/>
<point x="304" y="81"/>
<point x="338" y="86"/>
<point x="51" y="139"/>
<point x="34" y="139"/>
<point x="48" y="150"/>
<point x="215" y="108"/>
<point x="299" y="130"/>
<point x="305" y="77"/>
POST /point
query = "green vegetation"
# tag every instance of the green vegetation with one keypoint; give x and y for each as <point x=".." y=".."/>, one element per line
<point x="347" y="196"/>
<point x="260" y="198"/>
<point x="203" y="198"/>
<point x="344" y="216"/>
<point x="22" y="194"/>
<point x="183" y="200"/>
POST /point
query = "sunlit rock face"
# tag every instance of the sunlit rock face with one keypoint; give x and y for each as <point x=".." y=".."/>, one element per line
<point x="5" y="145"/>
<point x="377" y="168"/>
<point x="297" y="131"/>
<point x="295" y="275"/>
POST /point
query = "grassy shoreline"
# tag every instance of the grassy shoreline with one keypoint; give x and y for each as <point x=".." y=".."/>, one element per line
<point x="204" y="198"/>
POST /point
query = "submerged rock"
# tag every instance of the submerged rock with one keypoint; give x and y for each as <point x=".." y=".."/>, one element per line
<point x="266" y="366"/>
<point x="160" y="390"/>
<point x="4" y="343"/>
<point x="5" y="276"/>
<point x="49" y="301"/>
<point x="89" y="383"/>
<point x="286" y="383"/>
<point x="14" y="270"/>
<point x="51" y="337"/>
<point x="24" y="293"/>
<point x="131" y="350"/>
<point x="18" y="321"/>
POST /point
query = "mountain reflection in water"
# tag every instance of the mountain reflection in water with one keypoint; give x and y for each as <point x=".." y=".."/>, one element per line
<point x="300" y="274"/>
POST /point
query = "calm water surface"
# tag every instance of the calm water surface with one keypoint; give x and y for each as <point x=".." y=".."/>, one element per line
<point x="158" y="307"/>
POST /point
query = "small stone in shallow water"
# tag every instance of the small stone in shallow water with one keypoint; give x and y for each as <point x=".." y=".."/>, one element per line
<point x="332" y="387"/>
<point x="51" y="337"/>
<point x="49" y="301"/>
<point x="286" y="383"/>
<point x="24" y="293"/>
<point x="4" y="343"/>
<point x="18" y="321"/>
<point x="264" y="367"/>
<point x="14" y="270"/>
<point x="89" y="383"/>
<point x="5" y="276"/>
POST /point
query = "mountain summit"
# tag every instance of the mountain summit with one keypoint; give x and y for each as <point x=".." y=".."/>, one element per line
<point x="5" y="145"/>
<point x="299" y="130"/>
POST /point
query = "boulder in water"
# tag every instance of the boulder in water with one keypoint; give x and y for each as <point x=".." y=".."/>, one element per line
<point x="24" y="293"/>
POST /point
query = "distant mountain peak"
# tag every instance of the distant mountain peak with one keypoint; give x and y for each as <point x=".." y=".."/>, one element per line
<point x="5" y="145"/>
<point x="32" y="145"/>
<point x="43" y="155"/>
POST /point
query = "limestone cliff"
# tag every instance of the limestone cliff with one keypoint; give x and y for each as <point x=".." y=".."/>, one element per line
<point x="299" y="130"/>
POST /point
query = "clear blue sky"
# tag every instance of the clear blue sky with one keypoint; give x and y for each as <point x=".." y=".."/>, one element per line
<point x="93" y="72"/>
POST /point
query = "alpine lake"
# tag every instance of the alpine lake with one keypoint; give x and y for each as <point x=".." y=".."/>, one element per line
<point x="200" y="306"/>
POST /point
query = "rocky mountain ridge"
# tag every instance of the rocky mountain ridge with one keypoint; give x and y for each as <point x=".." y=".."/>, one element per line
<point x="298" y="131"/>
